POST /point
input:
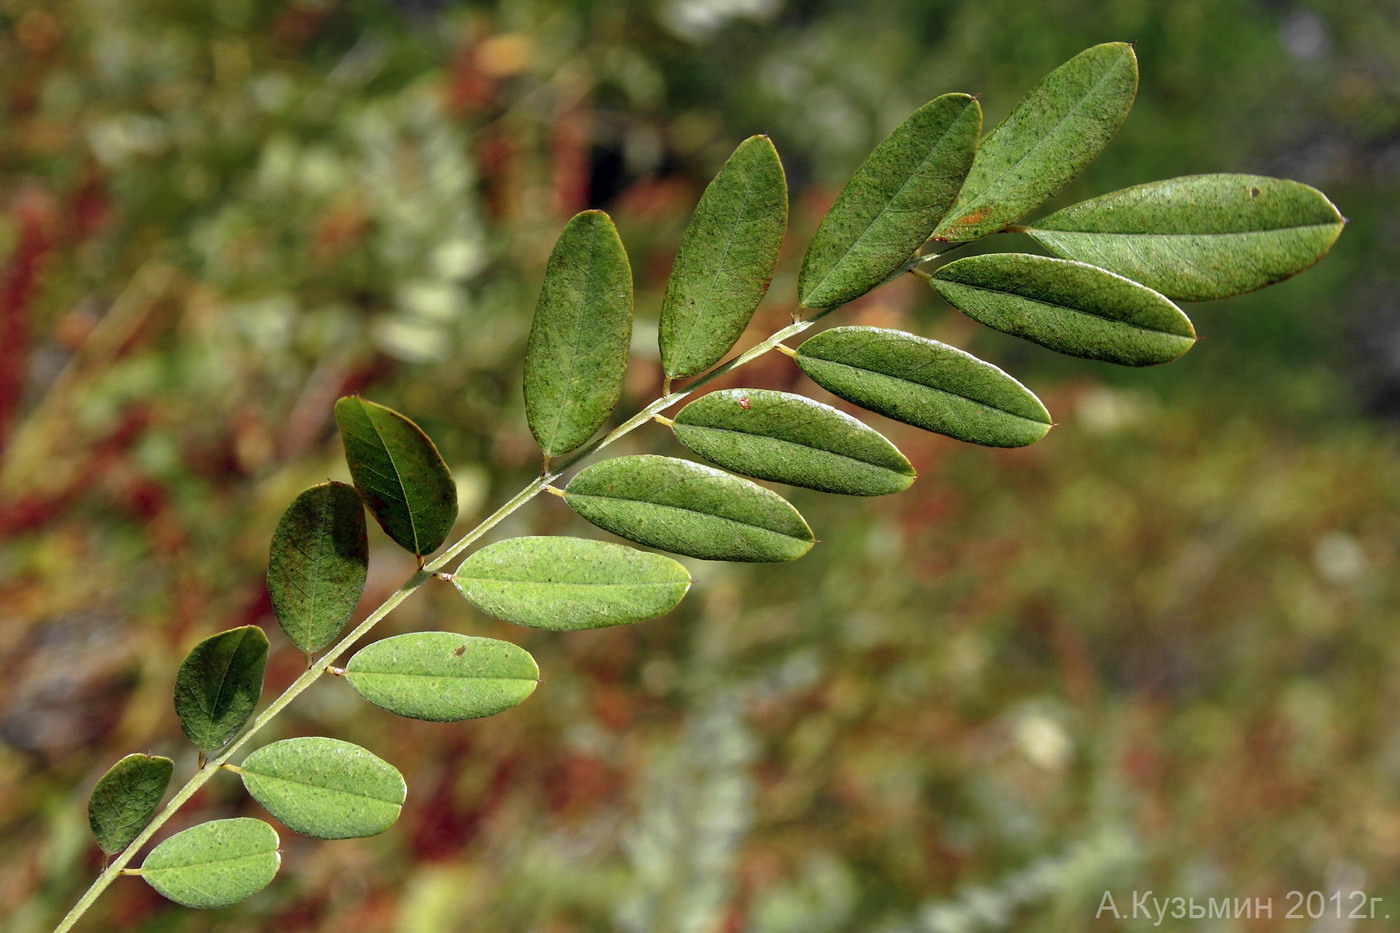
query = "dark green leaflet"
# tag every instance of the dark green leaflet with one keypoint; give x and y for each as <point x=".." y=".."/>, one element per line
<point x="218" y="685"/>
<point x="1058" y="129"/>
<point x="892" y="203"/>
<point x="725" y="261"/>
<point x="126" y="798"/>
<point x="317" y="564"/>
<point x="399" y="473"/>
<point x="576" y="356"/>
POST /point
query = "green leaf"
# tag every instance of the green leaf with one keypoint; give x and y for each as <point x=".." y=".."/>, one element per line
<point x="924" y="383"/>
<point x="443" y="676"/>
<point x="1058" y="129"/>
<point x="214" y="864"/>
<point x="1199" y="237"/>
<point x="577" y="352"/>
<point x="325" y="787"/>
<point x="1070" y="307"/>
<point x="892" y="203"/>
<point x="400" y="474"/>
<point x="218" y="685"/>
<point x="566" y="584"/>
<point x="317" y="564"/>
<point x="126" y="798"/>
<point x="686" y="508"/>
<point x="790" y="439"/>
<point x="726" y="259"/>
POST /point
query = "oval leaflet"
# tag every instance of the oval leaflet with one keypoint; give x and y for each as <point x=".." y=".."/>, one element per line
<point x="725" y="261"/>
<point x="576" y="355"/>
<point x="565" y="584"/>
<point x="324" y="787"/>
<point x="924" y="383"/>
<point x="125" y="799"/>
<point x="1070" y="307"/>
<point x="399" y="473"/>
<point x="892" y="202"/>
<point x="790" y="439"/>
<point x="214" y="864"/>
<point x="442" y="676"/>
<point x="1199" y="237"/>
<point x="1060" y="126"/>
<point x="685" y="508"/>
<point x="218" y="685"/>
<point x="317" y="564"/>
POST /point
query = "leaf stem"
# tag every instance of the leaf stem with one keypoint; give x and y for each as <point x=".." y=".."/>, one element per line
<point x="426" y="572"/>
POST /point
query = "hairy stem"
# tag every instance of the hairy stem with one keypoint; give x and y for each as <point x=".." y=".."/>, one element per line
<point x="117" y="866"/>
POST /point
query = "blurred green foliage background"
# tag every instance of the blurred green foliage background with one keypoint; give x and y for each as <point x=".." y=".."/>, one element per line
<point x="1158" y="650"/>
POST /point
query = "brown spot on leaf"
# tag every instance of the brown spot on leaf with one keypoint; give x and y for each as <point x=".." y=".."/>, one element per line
<point x="967" y="220"/>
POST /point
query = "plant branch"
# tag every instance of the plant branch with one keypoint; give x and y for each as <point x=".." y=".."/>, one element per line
<point x="214" y="765"/>
<point x="117" y="866"/>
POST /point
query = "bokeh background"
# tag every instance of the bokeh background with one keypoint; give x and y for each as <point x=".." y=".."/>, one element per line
<point x="1158" y="650"/>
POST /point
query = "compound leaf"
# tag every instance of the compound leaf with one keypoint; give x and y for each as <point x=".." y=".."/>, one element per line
<point x="726" y="259"/>
<point x="317" y="564"/>
<point x="576" y="356"/>
<point x="214" y="864"/>
<point x="218" y="685"/>
<point x="690" y="509"/>
<point x="565" y="584"/>
<point x="325" y="787"/>
<point x="443" y="676"/>
<point x="1198" y="237"/>
<point x="1070" y="307"/>
<point x="399" y="473"/>
<point x="1058" y="129"/>
<point x="790" y="439"/>
<point x="125" y="799"/>
<point x="892" y="203"/>
<point x="924" y="383"/>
